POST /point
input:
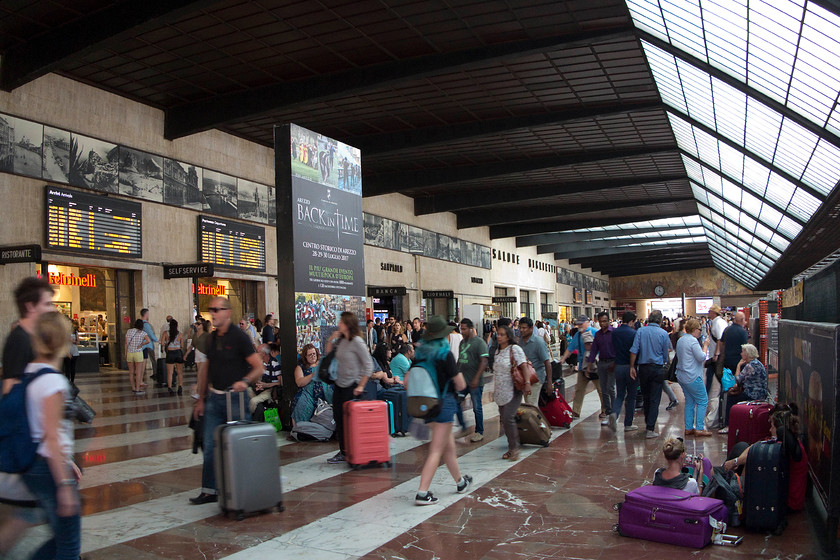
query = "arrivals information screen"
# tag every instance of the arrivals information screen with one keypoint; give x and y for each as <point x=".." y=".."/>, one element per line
<point x="231" y="244"/>
<point x="93" y="224"/>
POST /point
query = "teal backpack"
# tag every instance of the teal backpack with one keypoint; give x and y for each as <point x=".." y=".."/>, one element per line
<point x="424" y="396"/>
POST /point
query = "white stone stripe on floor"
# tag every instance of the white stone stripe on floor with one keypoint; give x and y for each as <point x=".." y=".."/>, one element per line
<point x="343" y="535"/>
<point x="101" y="421"/>
<point x="130" y="438"/>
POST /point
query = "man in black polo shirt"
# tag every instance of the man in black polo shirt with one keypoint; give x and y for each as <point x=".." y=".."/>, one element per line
<point x="33" y="296"/>
<point x="232" y="365"/>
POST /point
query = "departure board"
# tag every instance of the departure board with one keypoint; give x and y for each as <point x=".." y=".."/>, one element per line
<point x="92" y="223"/>
<point x="231" y="244"/>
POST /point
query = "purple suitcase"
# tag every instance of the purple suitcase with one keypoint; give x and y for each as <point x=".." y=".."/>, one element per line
<point x="667" y="515"/>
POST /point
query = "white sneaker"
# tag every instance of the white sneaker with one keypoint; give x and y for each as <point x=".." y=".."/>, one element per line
<point x="651" y="434"/>
<point x="612" y="421"/>
<point x="631" y="428"/>
<point x="605" y="422"/>
<point x="476" y="437"/>
<point x="465" y="432"/>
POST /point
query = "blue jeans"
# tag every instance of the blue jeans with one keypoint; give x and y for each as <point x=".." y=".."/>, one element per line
<point x="447" y="410"/>
<point x="475" y="395"/>
<point x="66" y="542"/>
<point x="626" y="389"/>
<point x="651" y="377"/>
<point x="695" y="398"/>
<point x="215" y="414"/>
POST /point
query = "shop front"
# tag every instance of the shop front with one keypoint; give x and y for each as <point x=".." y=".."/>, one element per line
<point x="245" y="296"/>
<point x="100" y="303"/>
<point x="440" y="302"/>
<point x="388" y="301"/>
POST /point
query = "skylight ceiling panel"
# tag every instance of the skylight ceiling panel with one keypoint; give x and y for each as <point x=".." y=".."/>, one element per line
<point x="796" y="144"/>
<point x="803" y="204"/>
<point x="816" y="76"/>
<point x="730" y="111"/>
<point x="763" y="126"/>
<point x="712" y="181"/>
<point x="663" y="66"/>
<point x="726" y="35"/>
<point x="823" y="172"/>
<point x="762" y="231"/>
<point x="707" y="148"/>
<point x="750" y="203"/>
<point x="774" y="253"/>
<point x="684" y="133"/>
<point x="647" y="15"/>
<point x="693" y="169"/>
<point x="704" y="212"/>
<point x="774" y="34"/>
<point x="731" y="193"/>
<point x="779" y="191"/>
<point x="685" y="26"/>
<point x="731" y="161"/>
<point x="698" y="93"/>
<point x="779" y="242"/>
<point x="756" y="176"/>
<point x="770" y="217"/>
<point x="789" y="227"/>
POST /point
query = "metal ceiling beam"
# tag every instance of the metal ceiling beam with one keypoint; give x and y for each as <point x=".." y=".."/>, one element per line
<point x="647" y="270"/>
<point x="741" y="86"/>
<point x="642" y="268"/>
<point x="740" y="184"/>
<point x="582" y="255"/>
<point x="403" y="182"/>
<point x="560" y="247"/>
<point x="552" y="238"/>
<point x="47" y="52"/>
<point x="499" y="232"/>
<point x="202" y="115"/>
<point x="656" y="257"/>
<point x="380" y="144"/>
<point x="527" y="214"/>
<point x="748" y="153"/>
<point x="491" y="197"/>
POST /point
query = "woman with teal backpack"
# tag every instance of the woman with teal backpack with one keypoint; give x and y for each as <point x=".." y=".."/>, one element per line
<point x="434" y="351"/>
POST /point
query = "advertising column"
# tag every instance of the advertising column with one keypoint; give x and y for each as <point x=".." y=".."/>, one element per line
<point x="320" y="240"/>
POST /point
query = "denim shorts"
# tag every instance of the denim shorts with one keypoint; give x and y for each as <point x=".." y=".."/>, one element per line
<point x="447" y="411"/>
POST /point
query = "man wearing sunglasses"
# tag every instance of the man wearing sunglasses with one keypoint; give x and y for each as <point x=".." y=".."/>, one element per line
<point x="232" y="365"/>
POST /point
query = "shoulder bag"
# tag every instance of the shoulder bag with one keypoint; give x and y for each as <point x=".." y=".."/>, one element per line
<point x="522" y="372"/>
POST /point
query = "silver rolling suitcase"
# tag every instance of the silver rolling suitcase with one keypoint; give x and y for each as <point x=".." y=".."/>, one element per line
<point x="247" y="465"/>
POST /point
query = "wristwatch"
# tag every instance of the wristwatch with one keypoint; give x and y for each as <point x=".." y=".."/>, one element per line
<point x="68" y="482"/>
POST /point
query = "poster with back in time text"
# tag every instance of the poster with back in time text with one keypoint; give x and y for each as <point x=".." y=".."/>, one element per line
<point x="328" y="226"/>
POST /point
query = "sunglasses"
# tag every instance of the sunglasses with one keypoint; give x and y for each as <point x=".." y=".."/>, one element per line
<point x="217" y="309"/>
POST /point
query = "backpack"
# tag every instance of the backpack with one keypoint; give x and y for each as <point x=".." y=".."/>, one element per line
<point x="17" y="450"/>
<point x="323" y="415"/>
<point x="726" y="485"/>
<point x="310" y="431"/>
<point x="328" y="369"/>
<point x="423" y="394"/>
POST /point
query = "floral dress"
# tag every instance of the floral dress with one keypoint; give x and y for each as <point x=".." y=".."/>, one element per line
<point x="503" y="390"/>
<point x="306" y="397"/>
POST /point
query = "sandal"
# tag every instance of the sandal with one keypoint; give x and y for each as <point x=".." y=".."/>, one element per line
<point x="511" y="456"/>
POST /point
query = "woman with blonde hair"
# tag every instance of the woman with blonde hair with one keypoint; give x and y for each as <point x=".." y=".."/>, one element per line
<point x="690" y="358"/>
<point x="673" y="475"/>
<point x="53" y="478"/>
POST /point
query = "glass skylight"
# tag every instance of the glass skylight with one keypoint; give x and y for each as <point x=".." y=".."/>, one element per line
<point x="759" y="169"/>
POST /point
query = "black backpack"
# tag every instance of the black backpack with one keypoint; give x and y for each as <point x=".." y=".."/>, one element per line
<point x="726" y="485"/>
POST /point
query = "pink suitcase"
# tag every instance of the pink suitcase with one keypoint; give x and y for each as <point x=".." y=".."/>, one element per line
<point x="670" y="516"/>
<point x="749" y="422"/>
<point x="366" y="433"/>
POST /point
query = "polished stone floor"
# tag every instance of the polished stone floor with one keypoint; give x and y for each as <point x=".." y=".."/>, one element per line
<point x="555" y="502"/>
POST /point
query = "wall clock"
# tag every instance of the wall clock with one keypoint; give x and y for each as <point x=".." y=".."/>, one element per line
<point x="659" y="290"/>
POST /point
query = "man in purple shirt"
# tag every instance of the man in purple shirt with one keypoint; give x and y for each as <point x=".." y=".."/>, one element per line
<point x="602" y="346"/>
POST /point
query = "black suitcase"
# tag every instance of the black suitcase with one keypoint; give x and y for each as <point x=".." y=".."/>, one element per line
<point x="557" y="378"/>
<point x="399" y="398"/>
<point x="765" y="487"/>
<point x="160" y="372"/>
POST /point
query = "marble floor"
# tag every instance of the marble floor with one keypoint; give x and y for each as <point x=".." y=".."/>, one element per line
<point x="554" y="502"/>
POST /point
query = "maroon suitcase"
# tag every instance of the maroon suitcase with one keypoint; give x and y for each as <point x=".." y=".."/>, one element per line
<point x="749" y="422"/>
<point x="556" y="410"/>
<point x="367" y="436"/>
<point x="668" y="515"/>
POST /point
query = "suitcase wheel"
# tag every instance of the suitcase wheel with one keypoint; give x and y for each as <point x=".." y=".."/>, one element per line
<point x="280" y="506"/>
<point x="567" y="425"/>
<point x="545" y="444"/>
<point x="387" y="464"/>
<point x="240" y="515"/>
<point x="617" y="506"/>
<point x="616" y="529"/>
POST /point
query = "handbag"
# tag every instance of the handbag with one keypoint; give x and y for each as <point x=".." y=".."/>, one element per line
<point x="272" y="416"/>
<point x="672" y="371"/>
<point x="727" y="381"/>
<point x="522" y="372"/>
<point x="328" y="368"/>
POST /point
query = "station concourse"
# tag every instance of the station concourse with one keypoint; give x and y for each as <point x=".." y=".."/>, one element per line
<point x="470" y="158"/>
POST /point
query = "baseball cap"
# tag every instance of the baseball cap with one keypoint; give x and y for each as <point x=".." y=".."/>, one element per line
<point x="581" y="319"/>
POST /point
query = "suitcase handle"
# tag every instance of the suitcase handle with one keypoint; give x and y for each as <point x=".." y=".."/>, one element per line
<point x="230" y="406"/>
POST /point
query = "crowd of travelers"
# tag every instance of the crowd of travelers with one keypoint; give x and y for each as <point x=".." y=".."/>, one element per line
<point x="621" y="359"/>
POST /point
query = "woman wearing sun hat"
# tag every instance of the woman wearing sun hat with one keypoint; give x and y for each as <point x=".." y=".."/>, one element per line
<point x="435" y="349"/>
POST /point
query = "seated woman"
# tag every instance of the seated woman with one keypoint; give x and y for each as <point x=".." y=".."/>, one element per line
<point x="384" y="376"/>
<point x="673" y="476"/>
<point x="750" y="382"/>
<point x="310" y="388"/>
<point x="784" y="427"/>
